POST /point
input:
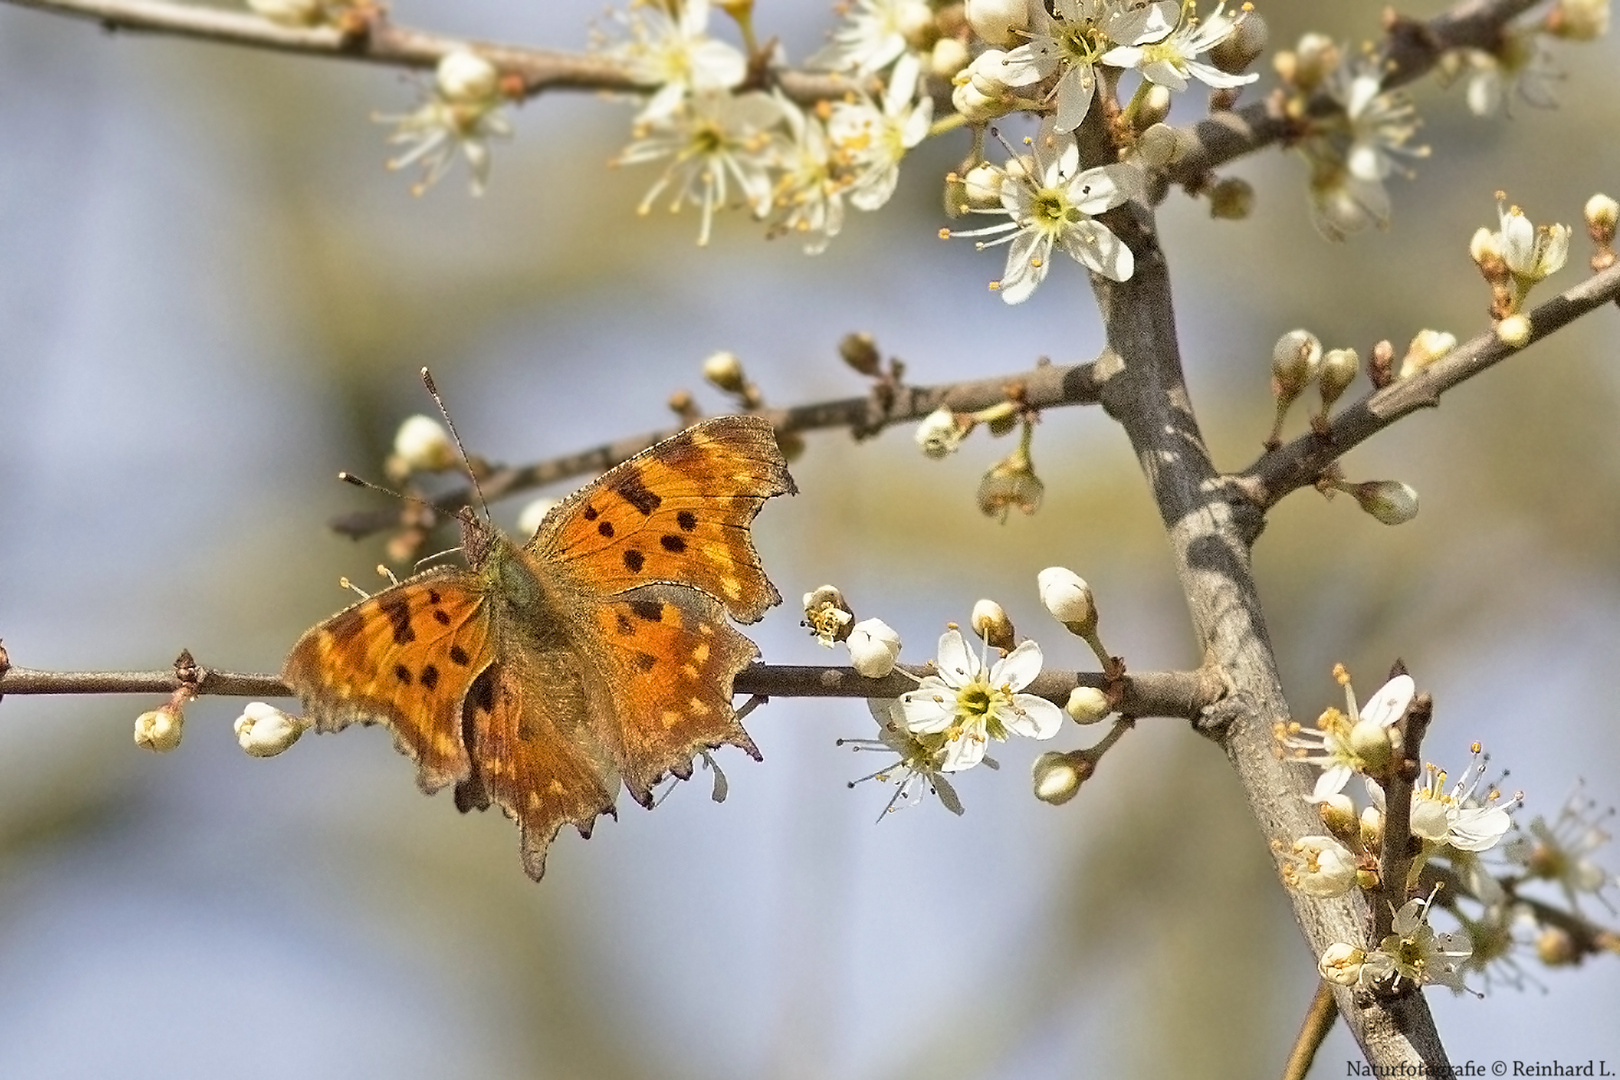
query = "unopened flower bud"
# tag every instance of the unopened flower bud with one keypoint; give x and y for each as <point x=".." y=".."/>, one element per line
<point x="529" y="519"/>
<point x="1338" y="371"/>
<point x="991" y="623"/>
<point x="1601" y="214"/>
<point x="1319" y="866"/>
<point x="826" y="614"/>
<point x="465" y="78"/>
<point x="940" y="432"/>
<point x="1232" y="199"/>
<point x="1341" y="964"/>
<point x="1159" y="147"/>
<point x="1556" y="948"/>
<point x="948" y="57"/>
<point x="1514" y="331"/>
<point x="1011" y="484"/>
<point x="998" y="22"/>
<point x="1314" y="59"/>
<point x="1242" y="46"/>
<point x="1372" y="828"/>
<point x="422" y="445"/>
<point x="1056" y="778"/>
<point x="981" y="187"/>
<point x="1152" y="109"/>
<point x="914" y="19"/>
<point x="1390" y="501"/>
<point x="265" y="731"/>
<point x="160" y="729"/>
<point x="860" y="352"/>
<point x="1338" y="816"/>
<point x="1579" y="20"/>
<point x="1427" y="347"/>
<point x="1294" y="361"/>
<point x="724" y="370"/>
<point x="1087" y="705"/>
<point x="1067" y="596"/>
<point x="873" y="648"/>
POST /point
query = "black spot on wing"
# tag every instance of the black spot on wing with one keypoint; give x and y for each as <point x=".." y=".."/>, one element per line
<point x="458" y="655"/>
<point x="441" y="617"/>
<point x="686" y="520"/>
<point x="605" y="528"/>
<point x="633" y="560"/>
<point x="403" y="674"/>
<point x="648" y="610"/>
<point x="672" y="543"/>
<point x="430" y="676"/>
<point x="637" y="494"/>
<point x="622" y="621"/>
<point x="345" y="625"/>
<point x="646" y="661"/>
<point x="481" y="694"/>
<point x="399" y="614"/>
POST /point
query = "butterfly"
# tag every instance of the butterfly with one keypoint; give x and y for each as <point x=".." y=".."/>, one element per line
<point x="539" y="678"/>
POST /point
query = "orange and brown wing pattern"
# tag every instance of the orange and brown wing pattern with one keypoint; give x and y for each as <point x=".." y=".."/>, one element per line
<point x="679" y="511"/>
<point x="405" y="657"/>
<point x="668" y="657"/>
<point x="534" y="754"/>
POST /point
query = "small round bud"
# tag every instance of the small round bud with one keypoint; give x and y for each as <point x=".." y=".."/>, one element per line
<point x="1372" y="828"/>
<point x="991" y="623"/>
<point x="724" y="370"/>
<point x="1390" y="501"/>
<point x="1556" y="948"/>
<point x="1338" y="815"/>
<point x="914" y="19"/>
<point x="873" y="648"/>
<point x="465" y="78"/>
<point x="1243" y="46"/>
<point x="949" y="57"/>
<point x="1514" y="331"/>
<point x="1087" y="705"/>
<point x="528" y="522"/>
<point x="1602" y="213"/>
<point x="940" y="433"/>
<point x="1485" y="248"/>
<point x="1152" y="109"/>
<point x="1056" y="778"/>
<point x="1320" y="866"/>
<point x="1067" y="596"/>
<point x="1315" y="58"/>
<point x="1008" y="485"/>
<point x="265" y="731"/>
<point x="160" y="729"/>
<point x="997" y="22"/>
<point x="289" y="12"/>
<point x="1579" y="20"/>
<point x="1341" y="964"/>
<point x="1339" y="368"/>
<point x="981" y="187"/>
<point x="1294" y="360"/>
<point x="1159" y="146"/>
<point x="827" y="616"/>
<point x="1427" y="347"/>
<point x="422" y="445"/>
<point x="860" y="352"/>
<point x="1232" y="199"/>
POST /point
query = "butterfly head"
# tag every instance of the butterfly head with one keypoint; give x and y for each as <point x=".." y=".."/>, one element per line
<point x="478" y="537"/>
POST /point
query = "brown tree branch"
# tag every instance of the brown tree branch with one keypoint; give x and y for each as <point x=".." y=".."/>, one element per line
<point x="1171" y="694"/>
<point x="1209" y="537"/>
<point x="1046" y="386"/>
<point x="379" y="41"/>
<point x="1299" y="463"/>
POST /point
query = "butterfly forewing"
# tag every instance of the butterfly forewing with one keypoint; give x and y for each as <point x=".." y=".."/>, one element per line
<point x="678" y="512"/>
<point x="405" y="658"/>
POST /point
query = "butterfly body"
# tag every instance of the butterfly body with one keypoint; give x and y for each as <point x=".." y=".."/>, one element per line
<point x="544" y="676"/>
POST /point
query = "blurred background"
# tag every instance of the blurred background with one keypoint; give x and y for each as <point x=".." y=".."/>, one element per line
<point x="213" y="297"/>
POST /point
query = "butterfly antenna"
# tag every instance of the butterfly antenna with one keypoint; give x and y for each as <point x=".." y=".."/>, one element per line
<point x="433" y="390"/>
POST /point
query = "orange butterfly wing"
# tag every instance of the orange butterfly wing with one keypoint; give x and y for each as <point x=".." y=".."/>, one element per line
<point x="678" y="512"/>
<point x="405" y="657"/>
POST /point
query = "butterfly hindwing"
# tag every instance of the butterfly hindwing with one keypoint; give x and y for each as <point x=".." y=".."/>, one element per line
<point x="677" y="512"/>
<point x="405" y="657"/>
<point x="534" y="755"/>
<point x="668" y="657"/>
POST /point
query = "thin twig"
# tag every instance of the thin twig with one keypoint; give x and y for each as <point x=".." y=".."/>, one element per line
<point x="1045" y="386"/>
<point x="1301" y="462"/>
<point x="382" y="42"/>
<point x="1320" y="1017"/>
<point x="1169" y="694"/>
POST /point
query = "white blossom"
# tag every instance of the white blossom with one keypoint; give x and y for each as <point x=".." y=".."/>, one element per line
<point x="1070" y="43"/>
<point x="676" y="54"/>
<point x="265" y="731"/>
<point x="1174" y="60"/>
<point x="462" y="113"/>
<point x="871" y="140"/>
<point x="873" y="35"/>
<point x="874" y="646"/>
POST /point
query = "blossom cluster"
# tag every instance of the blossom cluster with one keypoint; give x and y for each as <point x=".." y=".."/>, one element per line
<point x="1467" y="850"/>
